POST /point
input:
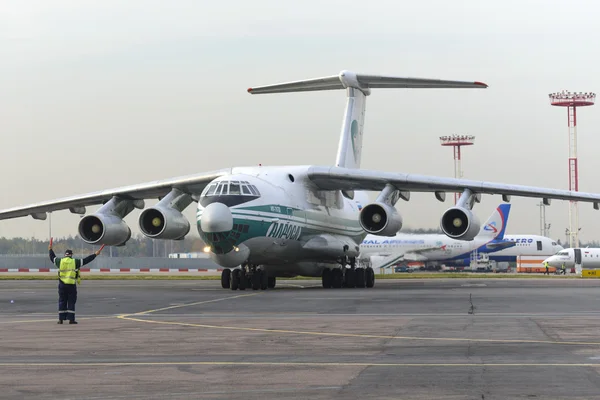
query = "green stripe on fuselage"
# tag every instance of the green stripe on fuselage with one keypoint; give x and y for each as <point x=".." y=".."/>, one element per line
<point x="282" y="222"/>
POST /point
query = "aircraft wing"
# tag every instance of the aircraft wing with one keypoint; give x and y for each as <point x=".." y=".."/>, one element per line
<point x="421" y="254"/>
<point x="412" y="255"/>
<point x="338" y="178"/>
<point x="192" y="185"/>
<point x="500" y="245"/>
<point x="389" y="261"/>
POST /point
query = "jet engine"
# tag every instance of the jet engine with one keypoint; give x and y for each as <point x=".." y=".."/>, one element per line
<point x="380" y="219"/>
<point x="163" y="223"/>
<point x="460" y="223"/>
<point x="104" y="229"/>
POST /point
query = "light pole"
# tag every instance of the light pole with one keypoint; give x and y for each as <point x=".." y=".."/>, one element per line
<point x="570" y="234"/>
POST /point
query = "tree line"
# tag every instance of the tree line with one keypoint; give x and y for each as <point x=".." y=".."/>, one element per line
<point x="138" y="246"/>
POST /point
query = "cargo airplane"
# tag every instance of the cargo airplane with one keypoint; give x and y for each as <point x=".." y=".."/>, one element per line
<point x="262" y="222"/>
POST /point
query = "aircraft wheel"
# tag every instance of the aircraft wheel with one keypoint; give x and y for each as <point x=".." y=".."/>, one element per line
<point x="264" y="280"/>
<point x="326" y="278"/>
<point x="235" y="279"/>
<point x="226" y="278"/>
<point x="370" y="277"/>
<point x="271" y="282"/>
<point x="243" y="282"/>
<point x="337" y="278"/>
<point x="359" y="276"/>
<point x="349" y="280"/>
<point x="256" y="280"/>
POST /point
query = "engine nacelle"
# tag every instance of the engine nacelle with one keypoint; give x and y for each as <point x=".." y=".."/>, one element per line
<point x="104" y="229"/>
<point x="164" y="223"/>
<point x="460" y="223"/>
<point x="380" y="219"/>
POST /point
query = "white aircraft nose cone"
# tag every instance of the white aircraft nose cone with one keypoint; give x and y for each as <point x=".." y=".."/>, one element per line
<point x="216" y="217"/>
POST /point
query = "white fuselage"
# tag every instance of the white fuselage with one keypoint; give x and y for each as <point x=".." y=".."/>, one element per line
<point x="527" y="245"/>
<point x="587" y="257"/>
<point x="442" y="246"/>
<point x="282" y="221"/>
<point x="455" y="252"/>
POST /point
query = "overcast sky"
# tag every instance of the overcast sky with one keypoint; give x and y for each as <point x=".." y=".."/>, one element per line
<point x="100" y="94"/>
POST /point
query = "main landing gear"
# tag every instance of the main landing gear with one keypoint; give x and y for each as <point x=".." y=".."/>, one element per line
<point x="248" y="276"/>
<point x="348" y="277"/>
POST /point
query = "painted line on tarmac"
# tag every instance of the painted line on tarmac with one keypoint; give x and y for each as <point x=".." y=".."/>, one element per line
<point x="210" y="392"/>
<point x="27" y="321"/>
<point x="295" y="315"/>
<point x="359" y="335"/>
<point x="293" y="285"/>
<point x="291" y="364"/>
<point x="126" y="316"/>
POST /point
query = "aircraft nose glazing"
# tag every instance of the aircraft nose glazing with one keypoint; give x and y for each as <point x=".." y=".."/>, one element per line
<point x="216" y="217"/>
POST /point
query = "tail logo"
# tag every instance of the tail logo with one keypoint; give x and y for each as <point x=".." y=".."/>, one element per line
<point x="491" y="228"/>
<point x="354" y="134"/>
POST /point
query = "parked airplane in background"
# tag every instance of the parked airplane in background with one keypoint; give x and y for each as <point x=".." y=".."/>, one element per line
<point x="524" y="245"/>
<point x="432" y="249"/>
<point x="586" y="257"/>
<point x="291" y="220"/>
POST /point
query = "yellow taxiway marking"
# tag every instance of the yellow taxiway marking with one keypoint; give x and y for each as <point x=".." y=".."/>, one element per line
<point x="357" y="335"/>
<point x="291" y="364"/>
<point x="131" y="317"/>
<point x="188" y="305"/>
<point x="126" y="316"/>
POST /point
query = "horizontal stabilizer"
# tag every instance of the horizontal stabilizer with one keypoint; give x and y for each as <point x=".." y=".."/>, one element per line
<point x="347" y="79"/>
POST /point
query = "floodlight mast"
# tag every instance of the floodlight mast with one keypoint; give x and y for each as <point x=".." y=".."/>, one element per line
<point x="572" y="100"/>
<point x="457" y="141"/>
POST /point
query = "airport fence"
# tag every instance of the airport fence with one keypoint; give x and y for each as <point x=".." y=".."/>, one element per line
<point x="34" y="263"/>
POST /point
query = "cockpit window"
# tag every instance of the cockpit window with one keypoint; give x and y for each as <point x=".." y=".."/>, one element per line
<point x="234" y="188"/>
<point x="553" y="243"/>
<point x="229" y="193"/>
<point x="562" y="253"/>
<point x="224" y="187"/>
<point x="211" y="189"/>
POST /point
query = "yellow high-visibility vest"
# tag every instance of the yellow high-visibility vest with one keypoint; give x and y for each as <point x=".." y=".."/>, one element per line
<point x="67" y="272"/>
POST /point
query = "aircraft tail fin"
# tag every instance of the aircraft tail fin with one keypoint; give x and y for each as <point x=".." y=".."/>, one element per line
<point x="495" y="226"/>
<point x="358" y="87"/>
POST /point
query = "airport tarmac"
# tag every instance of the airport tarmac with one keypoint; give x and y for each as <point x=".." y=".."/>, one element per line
<point x="409" y="339"/>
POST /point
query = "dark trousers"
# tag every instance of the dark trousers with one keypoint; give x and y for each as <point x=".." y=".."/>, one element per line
<point x="67" y="296"/>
